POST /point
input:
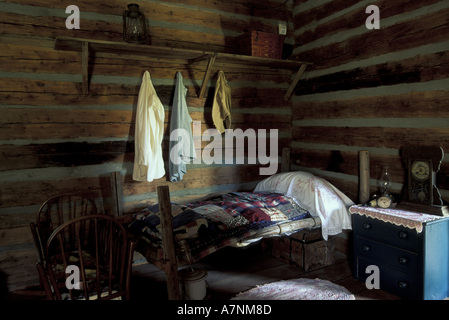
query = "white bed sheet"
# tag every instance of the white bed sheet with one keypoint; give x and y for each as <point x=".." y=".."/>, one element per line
<point x="316" y="195"/>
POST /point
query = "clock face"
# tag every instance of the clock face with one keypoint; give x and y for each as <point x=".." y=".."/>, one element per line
<point x="420" y="170"/>
<point x="421" y="181"/>
<point x="384" y="202"/>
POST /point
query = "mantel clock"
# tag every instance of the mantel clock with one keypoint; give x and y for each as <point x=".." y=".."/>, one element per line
<point x="421" y="193"/>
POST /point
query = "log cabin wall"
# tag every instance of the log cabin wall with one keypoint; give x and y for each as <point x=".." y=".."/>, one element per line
<point x="370" y="89"/>
<point x="54" y="139"/>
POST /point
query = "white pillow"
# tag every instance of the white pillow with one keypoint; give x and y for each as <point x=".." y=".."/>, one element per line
<point x="314" y="194"/>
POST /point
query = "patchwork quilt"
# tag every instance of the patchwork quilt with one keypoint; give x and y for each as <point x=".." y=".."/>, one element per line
<point x="200" y="228"/>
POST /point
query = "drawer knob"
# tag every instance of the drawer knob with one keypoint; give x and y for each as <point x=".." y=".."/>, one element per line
<point x="366" y="226"/>
<point x="402" y="284"/>
<point x="366" y="248"/>
<point x="403" y="260"/>
<point x="403" y="235"/>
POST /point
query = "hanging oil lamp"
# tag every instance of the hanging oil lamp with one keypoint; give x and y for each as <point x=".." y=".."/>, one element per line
<point x="134" y="25"/>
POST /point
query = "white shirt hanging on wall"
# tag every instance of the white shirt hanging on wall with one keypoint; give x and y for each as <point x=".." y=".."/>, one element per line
<point x="149" y="132"/>
<point x="182" y="149"/>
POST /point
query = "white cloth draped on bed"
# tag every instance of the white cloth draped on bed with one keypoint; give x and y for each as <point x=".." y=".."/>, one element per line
<point x="316" y="195"/>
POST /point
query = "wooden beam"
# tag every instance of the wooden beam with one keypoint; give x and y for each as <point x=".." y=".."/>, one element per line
<point x="85" y="66"/>
<point x="168" y="243"/>
<point x="295" y="81"/>
<point x="207" y="75"/>
<point x="169" y="54"/>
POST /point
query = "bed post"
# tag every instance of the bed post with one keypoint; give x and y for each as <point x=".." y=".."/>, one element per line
<point x="170" y="263"/>
<point x="285" y="164"/>
<point x="116" y="193"/>
<point x="364" y="176"/>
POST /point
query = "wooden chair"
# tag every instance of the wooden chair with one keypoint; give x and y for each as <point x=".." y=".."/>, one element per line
<point x="53" y="213"/>
<point x="89" y="257"/>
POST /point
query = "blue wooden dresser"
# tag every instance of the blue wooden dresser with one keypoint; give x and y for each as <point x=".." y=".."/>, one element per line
<point x="410" y="249"/>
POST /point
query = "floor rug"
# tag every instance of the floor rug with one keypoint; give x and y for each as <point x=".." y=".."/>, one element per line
<point x="297" y="289"/>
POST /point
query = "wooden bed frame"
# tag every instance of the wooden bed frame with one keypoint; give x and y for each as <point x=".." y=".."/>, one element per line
<point x="169" y="262"/>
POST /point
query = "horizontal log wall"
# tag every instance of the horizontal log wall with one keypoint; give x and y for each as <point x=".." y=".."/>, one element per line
<point x="370" y="89"/>
<point x="53" y="139"/>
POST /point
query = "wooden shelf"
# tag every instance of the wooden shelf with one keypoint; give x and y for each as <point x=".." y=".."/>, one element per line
<point x="187" y="56"/>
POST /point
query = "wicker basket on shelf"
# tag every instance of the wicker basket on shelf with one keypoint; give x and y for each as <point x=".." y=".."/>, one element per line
<point x="261" y="44"/>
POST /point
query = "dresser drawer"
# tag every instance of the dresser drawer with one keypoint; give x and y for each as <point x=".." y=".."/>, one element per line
<point x="387" y="233"/>
<point x="394" y="281"/>
<point x="399" y="259"/>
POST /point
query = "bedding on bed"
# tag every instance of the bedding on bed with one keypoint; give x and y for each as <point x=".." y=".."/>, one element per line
<point x="203" y="227"/>
<point x="274" y="207"/>
<point x="316" y="195"/>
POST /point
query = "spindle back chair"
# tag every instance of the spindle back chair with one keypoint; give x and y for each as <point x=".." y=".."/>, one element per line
<point x="89" y="257"/>
<point x="56" y="211"/>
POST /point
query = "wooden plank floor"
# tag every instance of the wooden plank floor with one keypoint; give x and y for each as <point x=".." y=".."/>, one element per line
<point x="232" y="270"/>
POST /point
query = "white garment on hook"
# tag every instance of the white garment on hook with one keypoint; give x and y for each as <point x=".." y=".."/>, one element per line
<point x="182" y="149"/>
<point x="149" y="132"/>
